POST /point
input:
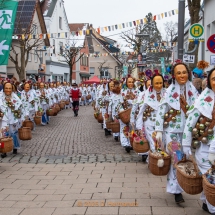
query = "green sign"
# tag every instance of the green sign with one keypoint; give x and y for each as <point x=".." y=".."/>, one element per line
<point x="163" y="68"/>
<point x="196" y="31"/>
<point x="7" y="19"/>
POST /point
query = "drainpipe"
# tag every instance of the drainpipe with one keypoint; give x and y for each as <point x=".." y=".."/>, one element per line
<point x="203" y="24"/>
<point x="181" y="12"/>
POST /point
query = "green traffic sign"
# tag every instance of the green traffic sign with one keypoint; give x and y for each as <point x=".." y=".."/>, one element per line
<point x="196" y="30"/>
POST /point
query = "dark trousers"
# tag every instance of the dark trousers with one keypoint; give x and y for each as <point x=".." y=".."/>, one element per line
<point x="75" y="105"/>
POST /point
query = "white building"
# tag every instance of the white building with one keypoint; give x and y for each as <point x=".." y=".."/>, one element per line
<point x="58" y="29"/>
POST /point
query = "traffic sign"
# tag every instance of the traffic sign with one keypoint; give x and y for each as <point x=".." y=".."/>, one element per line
<point x="188" y="58"/>
<point x="212" y="60"/>
<point x="196" y="32"/>
<point x="211" y="43"/>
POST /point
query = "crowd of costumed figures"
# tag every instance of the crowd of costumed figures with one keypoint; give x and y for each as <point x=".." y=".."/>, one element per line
<point x="166" y="122"/>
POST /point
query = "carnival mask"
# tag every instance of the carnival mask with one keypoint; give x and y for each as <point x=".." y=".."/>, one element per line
<point x="8" y="89"/>
<point x="51" y="85"/>
<point x="41" y="85"/>
<point x="181" y="74"/>
<point x="111" y="86"/>
<point x="157" y="83"/>
<point x="148" y="83"/>
<point x="27" y="87"/>
<point x="212" y="80"/>
<point x="58" y="84"/>
<point x="130" y="83"/>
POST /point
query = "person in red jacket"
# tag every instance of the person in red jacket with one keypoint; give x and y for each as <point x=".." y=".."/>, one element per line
<point x="75" y="94"/>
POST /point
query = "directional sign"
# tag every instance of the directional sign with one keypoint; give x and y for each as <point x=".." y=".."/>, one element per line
<point x="196" y="32"/>
<point x="211" y="43"/>
<point x="188" y="58"/>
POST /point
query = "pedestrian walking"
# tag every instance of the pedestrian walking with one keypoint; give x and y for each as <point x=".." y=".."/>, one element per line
<point x="75" y="94"/>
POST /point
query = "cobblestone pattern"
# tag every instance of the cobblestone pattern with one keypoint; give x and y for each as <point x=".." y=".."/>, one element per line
<point x="69" y="139"/>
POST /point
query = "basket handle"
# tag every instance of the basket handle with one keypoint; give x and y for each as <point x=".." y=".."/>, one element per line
<point x="194" y="163"/>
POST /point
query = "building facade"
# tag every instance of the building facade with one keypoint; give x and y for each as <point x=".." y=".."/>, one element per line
<point x="58" y="29"/>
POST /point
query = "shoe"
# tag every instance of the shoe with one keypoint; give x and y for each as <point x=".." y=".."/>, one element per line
<point x="106" y="132"/>
<point x="131" y="148"/>
<point x="128" y="149"/>
<point x="144" y="157"/>
<point x="14" y="151"/>
<point x="47" y="122"/>
<point x="3" y="155"/>
<point x="109" y="132"/>
<point x="205" y="208"/>
<point x="116" y="138"/>
<point x="179" y="198"/>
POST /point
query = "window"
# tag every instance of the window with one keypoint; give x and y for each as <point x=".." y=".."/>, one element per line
<point x="29" y="56"/>
<point x="92" y="70"/>
<point x="34" y="29"/>
<point x="53" y="46"/>
<point x="35" y="56"/>
<point x="61" y="47"/>
<point x="60" y="23"/>
<point x="41" y="57"/>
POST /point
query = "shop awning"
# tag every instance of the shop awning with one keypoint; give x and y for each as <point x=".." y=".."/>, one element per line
<point x="84" y="74"/>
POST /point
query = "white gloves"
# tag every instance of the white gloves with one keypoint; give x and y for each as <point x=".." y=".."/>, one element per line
<point x="211" y="158"/>
<point x="159" y="136"/>
<point x="187" y="151"/>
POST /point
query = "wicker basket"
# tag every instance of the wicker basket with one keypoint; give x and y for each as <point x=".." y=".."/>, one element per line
<point x="138" y="147"/>
<point x="115" y="127"/>
<point x="37" y="120"/>
<point x="125" y="116"/>
<point x="24" y="133"/>
<point x="108" y="124"/>
<point x="209" y="190"/>
<point x="6" y="145"/>
<point x="88" y="97"/>
<point x="57" y="108"/>
<point x="50" y="112"/>
<point x="39" y="113"/>
<point x="190" y="184"/>
<point x="82" y="98"/>
<point x="29" y="124"/>
<point x="159" y="171"/>
<point x="62" y="105"/>
<point x="100" y="118"/>
<point x="67" y="102"/>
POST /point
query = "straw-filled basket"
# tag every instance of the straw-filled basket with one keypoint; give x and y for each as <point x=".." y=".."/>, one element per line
<point x="209" y="190"/>
<point x="108" y="124"/>
<point x="140" y="144"/>
<point x="37" y="120"/>
<point x="29" y="124"/>
<point x="190" y="184"/>
<point x="57" y="108"/>
<point x="24" y="133"/>
<point x="100" y="118"/>
<point x="88" y="97"/>
<point x="82" y="98"/>
<point x="153" y="164"/>
<point x="67" y="102"/>
<point x="39" y="113"/>
<point x="50" y="112"/>
<point x="125" y="115"/>
<point x="6" y="144"/>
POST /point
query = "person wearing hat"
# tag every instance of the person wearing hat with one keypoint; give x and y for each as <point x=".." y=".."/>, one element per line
<point x="75" y="94"/>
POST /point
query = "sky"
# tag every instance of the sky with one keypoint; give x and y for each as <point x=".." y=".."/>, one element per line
<point x="102" y="13"/>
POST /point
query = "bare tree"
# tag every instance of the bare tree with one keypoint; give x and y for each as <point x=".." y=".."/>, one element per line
<point x="21" y="48"/>
<point x="149" y="28"/>
<point x="71" y="55"/>
<point x="171" y="30"/>
<point x="194" y="7"/>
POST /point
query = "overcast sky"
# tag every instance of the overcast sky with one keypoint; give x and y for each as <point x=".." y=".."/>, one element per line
<point x="103" y="13"/>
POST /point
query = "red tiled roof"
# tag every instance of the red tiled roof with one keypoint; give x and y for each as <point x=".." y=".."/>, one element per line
<point x="76" y="26"/>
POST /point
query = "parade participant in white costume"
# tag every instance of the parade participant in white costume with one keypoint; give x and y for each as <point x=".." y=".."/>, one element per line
<point x="128" y="93"/>
<point x="13" y="112"/>
<point x="149" y="109"/>
<point x="170" y="121"/>
<point x="202" y="112"/>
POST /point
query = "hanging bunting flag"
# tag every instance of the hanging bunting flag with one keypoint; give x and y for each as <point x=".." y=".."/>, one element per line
<point x="120" y="26"/>
<point x="109" y="28"/>
<point x="80" y="32"/>
<point x="138" y="22"/>
<point x="126" y="24"/>
<point x="155" y="17"/>
<point x="134" y="23"/>
<point x="105" y="28"/>
<point x="170" y="14"/>
<point x="102" y="29"/>
<point x="176" y="11"/>
<point x="165" y="14"/>
<point x="44" y="36"/>
<point x="162" y="15"/>
<point x="123" y="25"/>
<point x="145" y="20"/>
<point x="116" y="26"/>
<point x="173" y="12"/>
<point x="159" y="17"/>
<point x="130" y="23"/>
<point x="98" y="30"/>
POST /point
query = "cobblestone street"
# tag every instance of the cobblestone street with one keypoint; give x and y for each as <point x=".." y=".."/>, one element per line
<point x="70" y="167"/>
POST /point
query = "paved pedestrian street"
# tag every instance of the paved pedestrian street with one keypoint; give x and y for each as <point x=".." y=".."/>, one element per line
<point x="69" y="167"/>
